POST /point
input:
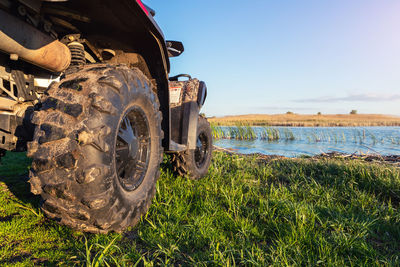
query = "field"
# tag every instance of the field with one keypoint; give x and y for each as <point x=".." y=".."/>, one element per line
<point x="297" y="120"/>
<point x="247" y="211"/>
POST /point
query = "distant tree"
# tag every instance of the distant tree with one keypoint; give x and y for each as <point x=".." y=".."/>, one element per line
<point x="319" y="113"/>
<point x="289" y="113"/>
<point x="353" y="112"/>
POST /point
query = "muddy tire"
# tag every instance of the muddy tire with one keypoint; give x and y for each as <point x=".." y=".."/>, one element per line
<point x="97" y="149"/>
<point x="195" y="162"/>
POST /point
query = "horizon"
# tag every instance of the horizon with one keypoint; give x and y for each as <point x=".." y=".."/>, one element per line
<point x="271" y="57"/>
<point x="308" y="114"/>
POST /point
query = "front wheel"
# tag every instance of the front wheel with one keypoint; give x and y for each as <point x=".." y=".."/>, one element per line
<point x="196" y="162"/>
<point x="97" y="149"/>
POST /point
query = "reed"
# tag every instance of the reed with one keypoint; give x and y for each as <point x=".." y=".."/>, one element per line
<point x="270" y="134"/>
<point x="273" y="134"/>
<point x="238" y="133"/>
<point x="217" y="132"/>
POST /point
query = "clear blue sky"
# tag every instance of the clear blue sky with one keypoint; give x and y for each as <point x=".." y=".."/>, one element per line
<point x="305" y="56"/>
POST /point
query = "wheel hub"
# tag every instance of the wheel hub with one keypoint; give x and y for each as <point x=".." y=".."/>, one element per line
<point x="129" y="137"/>
<point x="133" y="149"/>
<point x="202" y="149"/>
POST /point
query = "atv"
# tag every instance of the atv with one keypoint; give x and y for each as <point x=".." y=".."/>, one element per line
<point x="85" y="90"/>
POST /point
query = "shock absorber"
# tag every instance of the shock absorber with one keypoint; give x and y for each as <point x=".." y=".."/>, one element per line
<point x="77" y="54"/>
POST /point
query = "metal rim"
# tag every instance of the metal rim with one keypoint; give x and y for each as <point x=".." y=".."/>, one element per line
<point x="133" y="147"/>
<point x="202" y="150"/>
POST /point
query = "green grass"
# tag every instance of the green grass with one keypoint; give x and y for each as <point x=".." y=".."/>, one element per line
<point x="328" y="212"/>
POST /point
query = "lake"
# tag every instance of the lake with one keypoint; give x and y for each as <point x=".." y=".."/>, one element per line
<point x="296" y="141"/>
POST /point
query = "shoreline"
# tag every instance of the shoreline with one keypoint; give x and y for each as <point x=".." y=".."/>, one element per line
<point x="393" y="160"/>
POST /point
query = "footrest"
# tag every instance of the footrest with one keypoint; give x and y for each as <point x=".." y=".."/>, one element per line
<point x="177" y="147"/>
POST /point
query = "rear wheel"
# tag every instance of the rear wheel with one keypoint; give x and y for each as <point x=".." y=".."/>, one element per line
<point x="196" y="162"/>
<point x="97" y="149"/>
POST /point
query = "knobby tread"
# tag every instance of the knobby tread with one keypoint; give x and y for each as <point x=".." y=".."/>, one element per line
<point x="73" y="146"/>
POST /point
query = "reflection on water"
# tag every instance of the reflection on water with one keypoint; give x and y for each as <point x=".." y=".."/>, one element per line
<point x="317" y="140"/>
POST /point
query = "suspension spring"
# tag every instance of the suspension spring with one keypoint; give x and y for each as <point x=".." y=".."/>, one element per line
<point x="77" y="53"/>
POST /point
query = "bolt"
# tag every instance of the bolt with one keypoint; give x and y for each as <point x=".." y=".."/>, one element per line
<point x="22" y="10"/>
<point x="14" y="57"/>
<point x="47" y="26"/>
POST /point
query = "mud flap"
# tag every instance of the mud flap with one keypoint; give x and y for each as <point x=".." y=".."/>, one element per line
<point x="192" y="127"/>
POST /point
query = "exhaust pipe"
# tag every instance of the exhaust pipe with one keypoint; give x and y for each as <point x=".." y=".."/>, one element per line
<point x="31" y="45"/>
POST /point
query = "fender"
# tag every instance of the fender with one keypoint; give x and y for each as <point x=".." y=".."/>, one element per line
<point x="186" y="101"/>
<point x="125" y="25"/>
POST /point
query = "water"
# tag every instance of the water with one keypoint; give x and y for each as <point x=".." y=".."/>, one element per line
<point x="316" y="140"/>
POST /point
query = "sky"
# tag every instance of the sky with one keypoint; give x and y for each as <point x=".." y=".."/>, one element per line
<point x="304" y="56"/>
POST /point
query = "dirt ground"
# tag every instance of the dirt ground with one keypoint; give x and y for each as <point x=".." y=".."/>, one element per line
<point x="393" y="160"/>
